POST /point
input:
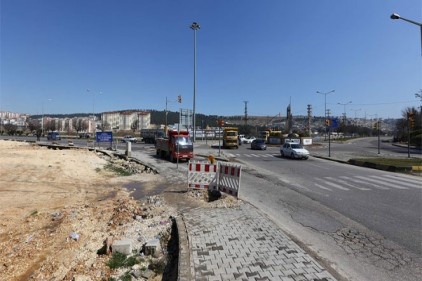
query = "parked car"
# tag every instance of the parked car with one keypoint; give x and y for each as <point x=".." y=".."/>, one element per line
<point x="258" y="144"/>
<point x="294" y="151"/>
<point x="248" y="140"/>
<point x="129" y="138"/>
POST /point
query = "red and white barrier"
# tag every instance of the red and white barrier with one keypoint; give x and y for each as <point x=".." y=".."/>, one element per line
<point x="223" y="176"/>
<point x="229" y="178"/>
<point x="202" y="175"/>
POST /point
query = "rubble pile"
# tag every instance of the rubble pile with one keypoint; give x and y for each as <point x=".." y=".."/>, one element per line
<point x="64" y="217"/>
<point x="130" y="165"/>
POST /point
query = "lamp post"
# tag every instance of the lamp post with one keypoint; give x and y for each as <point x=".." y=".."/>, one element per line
<point x="195" y="26"/>
<point x="397" y="17"/>
<point x="419" y="95"/>
<point x="344" y="112"/>
<point x="42" y="118"/>
<point x="325" y="107"/>
<point x="356" y="110"/>
<point x="93" y="108"/>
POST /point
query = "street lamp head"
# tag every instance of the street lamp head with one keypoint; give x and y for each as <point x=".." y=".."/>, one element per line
<point x="195" y="26"/>
<point x="332" y="91"/>
<point x="395" y="16"/>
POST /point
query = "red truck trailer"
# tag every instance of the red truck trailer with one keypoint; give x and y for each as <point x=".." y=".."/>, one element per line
<point x="177" y="145"/>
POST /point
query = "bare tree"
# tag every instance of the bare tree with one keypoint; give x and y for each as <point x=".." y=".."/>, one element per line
<point x="105" y="126"/>
<point x="134" y="125"/>
<point x="79" y="124"/>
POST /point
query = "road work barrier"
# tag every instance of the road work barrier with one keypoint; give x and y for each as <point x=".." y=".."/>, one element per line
<point x="229" y="178"/>
<point x="202" y="175"/>
<point x="224" y="177"/>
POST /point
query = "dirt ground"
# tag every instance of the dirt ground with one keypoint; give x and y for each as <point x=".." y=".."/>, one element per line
<point x="57" y="207"/>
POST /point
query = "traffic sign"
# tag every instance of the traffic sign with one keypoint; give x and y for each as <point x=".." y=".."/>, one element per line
<point x="104" y="136"/>
<point x="334" y="123"/>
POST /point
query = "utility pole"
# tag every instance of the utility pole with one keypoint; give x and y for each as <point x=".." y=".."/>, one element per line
<point x="329" y="133"/>
<point x="246" y="112"/>
<point x="309" y="119"/>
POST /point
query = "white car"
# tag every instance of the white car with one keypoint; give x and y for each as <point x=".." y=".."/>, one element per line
<point x="294" y="151"/>
<point x="248" y="140"/>
<point x="129" y="139"/>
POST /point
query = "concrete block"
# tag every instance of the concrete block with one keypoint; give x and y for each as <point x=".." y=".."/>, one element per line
<point x="123" y="246"/>
<point x="152" y="246"/>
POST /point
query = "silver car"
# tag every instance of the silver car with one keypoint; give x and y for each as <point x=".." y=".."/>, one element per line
<point x="129" y="138"/>
<point x="294" y="150"/>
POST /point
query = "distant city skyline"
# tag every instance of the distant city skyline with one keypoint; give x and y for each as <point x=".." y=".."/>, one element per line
<point x="61" y="57"/>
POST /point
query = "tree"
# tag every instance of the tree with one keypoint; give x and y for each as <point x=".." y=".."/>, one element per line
<point x="134" y="125"/>
<point x="10" y="129"/>
<point x="105" y="126"/>
<point x="79" y="124"/>
<point x="34" y="125"/>
<point x="406" y="129"/>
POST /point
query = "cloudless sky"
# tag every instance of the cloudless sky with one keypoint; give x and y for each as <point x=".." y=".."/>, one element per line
<point x="133" y="54"/>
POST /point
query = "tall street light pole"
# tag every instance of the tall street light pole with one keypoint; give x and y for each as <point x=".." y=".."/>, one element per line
<point x="344" y="112"/>
<point x="397" y="17"/>
<point x="419" y="95"/>
<point x="42" y="118"/>
<point x="356" y="110"/>
<point x="325" y="106"/>
<point x="93" y="108"/>
<point x="195" y="26"/>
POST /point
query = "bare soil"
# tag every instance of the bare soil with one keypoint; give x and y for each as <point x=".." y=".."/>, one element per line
<point x="58" y="206"/>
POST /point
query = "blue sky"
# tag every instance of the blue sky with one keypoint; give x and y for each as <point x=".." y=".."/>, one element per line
<point x="133" y="54"/>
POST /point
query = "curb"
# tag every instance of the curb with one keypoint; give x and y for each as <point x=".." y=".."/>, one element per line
<point x="389" y="168"/>
<point x="184" y="263"/>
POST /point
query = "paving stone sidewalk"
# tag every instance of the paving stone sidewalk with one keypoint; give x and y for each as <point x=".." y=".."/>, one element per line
<point x="241" y="243"/>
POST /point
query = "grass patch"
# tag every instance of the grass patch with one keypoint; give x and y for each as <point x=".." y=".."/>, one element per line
<point x="120" y="171"/>
<point x="126" y="277"/>
<point x="121" y="260"/>
<point x="397" y="162"/>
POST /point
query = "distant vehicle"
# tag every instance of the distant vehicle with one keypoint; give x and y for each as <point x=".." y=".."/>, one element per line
<point x="129" y="138"/>
<point x="294" y="151"/>
<point x="248" y="140"/>
<point x="150" y="135"/>
<point x="177" y="145"/>
<point x="258" y="144"/>
<point x="53" y="136"/>
<point x="230" y="137"/>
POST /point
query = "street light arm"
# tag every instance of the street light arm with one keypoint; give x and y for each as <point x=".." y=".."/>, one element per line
<point x="397" y="17"/>
<point x="332" y="91"/>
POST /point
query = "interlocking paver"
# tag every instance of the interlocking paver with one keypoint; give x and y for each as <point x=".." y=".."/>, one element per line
<point x="241" y="243"/>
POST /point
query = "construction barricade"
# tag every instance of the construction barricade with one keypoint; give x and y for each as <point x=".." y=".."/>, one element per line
<point x="202" y="175"/>
<point x="229" y="178"/>
<point x="224" y="177"/>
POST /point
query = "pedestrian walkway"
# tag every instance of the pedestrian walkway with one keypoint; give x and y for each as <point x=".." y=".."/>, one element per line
<point x="240" y="243"/>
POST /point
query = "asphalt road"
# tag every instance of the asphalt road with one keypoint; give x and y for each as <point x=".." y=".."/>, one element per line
<point x="364" y="223"/>
<point x="385" y="202"/>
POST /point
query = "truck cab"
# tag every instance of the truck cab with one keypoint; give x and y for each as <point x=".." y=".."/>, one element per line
<point x="230" y="137"/>
<point x="177" y="145"/>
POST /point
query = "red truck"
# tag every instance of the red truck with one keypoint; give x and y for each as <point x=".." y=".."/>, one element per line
<point x="177" y="145"/>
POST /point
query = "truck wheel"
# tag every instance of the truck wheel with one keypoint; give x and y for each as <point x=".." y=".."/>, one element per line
<point x="171" y="158"/>
<point x="158" y="152"/>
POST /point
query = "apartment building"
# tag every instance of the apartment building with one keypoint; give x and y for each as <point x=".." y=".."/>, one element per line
<point x="125" y="120"/>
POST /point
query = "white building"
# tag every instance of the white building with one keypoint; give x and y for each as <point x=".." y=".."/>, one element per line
<point x="124" y="120"/>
